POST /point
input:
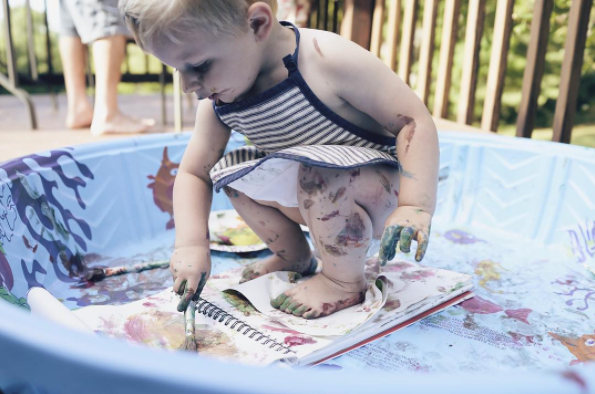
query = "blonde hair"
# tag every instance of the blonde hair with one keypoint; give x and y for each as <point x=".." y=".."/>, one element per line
<point x="147" y="19"/>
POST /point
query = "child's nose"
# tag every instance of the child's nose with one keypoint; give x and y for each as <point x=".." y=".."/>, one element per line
<point x="189" y="82"/>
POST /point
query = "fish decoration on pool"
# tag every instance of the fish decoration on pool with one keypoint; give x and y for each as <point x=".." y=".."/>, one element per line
<point x="583" y="348"/>
<point x="163" y="187"/>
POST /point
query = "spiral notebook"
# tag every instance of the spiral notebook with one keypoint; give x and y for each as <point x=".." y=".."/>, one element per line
<point x="236" y="322"/>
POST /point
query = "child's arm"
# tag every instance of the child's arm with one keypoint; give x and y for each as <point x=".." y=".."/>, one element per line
<point x="367" y="84"/>
<point x="190" y="262"/>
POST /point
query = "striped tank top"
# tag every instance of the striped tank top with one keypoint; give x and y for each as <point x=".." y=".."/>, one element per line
<point x="288" y="125"/>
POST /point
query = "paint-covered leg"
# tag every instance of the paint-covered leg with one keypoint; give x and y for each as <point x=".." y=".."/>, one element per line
<point x="279" y="228"/>
<point x="344" y="211"/>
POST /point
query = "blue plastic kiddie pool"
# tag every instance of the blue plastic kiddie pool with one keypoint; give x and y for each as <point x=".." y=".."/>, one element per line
<point x="518" y="215"/>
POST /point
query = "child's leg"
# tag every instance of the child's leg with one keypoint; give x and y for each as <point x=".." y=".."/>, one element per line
<point x="278" y="227"/>
<point x="344" y="209"/>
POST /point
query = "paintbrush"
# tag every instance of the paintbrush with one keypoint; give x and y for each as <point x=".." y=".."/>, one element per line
<point x="188" y="305"/>
<point x="98" y="274"/>
<point x="189" y="321"/>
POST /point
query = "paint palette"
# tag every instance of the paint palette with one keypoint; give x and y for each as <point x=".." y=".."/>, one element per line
<point x="229" y="233"/>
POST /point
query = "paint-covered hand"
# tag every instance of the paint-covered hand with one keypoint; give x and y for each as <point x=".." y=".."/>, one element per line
<point x="404" y="225"/>
<point x="190" y="267"/>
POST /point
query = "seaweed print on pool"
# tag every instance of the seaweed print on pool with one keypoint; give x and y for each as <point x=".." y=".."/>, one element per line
<point x="48" y="222"/>
<point x="461" y="237"/>
<point x="584" y="296"/>
<point x="8" y="214"/>
<point x="163" y="187"/>
<point x="582" y="241"/>
<point x="6" y="278"/>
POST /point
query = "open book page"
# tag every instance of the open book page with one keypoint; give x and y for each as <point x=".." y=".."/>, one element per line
<point x="407" y="290"/>
<point x="262" y="290"/>
<point x="155" y="322"/>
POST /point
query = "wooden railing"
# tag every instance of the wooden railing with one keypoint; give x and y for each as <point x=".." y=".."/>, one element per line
<point x="364" y="20"/>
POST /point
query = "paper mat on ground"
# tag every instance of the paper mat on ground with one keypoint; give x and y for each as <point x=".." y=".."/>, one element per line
<point x="257" y="339"/>
<point x="154" y="321"/>
<point x="262" y="290"/>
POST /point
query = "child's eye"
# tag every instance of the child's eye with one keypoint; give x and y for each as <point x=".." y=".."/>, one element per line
<point x="201" y="68"/>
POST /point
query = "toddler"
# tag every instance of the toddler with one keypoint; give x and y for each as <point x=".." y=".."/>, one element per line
<point x="339" y="143"/>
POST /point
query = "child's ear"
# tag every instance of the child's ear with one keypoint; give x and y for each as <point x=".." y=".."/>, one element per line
<point x="260" y="20"/>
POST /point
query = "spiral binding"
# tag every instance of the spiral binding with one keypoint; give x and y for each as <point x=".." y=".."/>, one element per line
<point x="213" y="311"/>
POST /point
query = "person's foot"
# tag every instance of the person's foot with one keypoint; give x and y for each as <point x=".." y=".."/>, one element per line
<point x="120" y="124"/>
<point x="277" y="262"/>
<point x="79" y="118"/>
<point x="320" y="296"/>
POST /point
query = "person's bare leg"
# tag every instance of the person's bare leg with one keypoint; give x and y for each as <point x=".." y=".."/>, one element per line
<point x="278" y="227"/>
<point x="344" y="210"/>
<point x="73" y="54"/>
<point x="108" y="54"/>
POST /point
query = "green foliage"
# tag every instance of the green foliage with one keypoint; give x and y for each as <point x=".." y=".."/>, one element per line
<point x="516" y="62"/>
<point x="19" y="37"/>
<point x="522" y="16"/>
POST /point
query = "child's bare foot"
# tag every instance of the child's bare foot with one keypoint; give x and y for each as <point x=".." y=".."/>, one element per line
<point x="320" y="296"/>
<point x="79" y="118"/>
<point x="120" y="124"/>
<point x="277" y="262"/>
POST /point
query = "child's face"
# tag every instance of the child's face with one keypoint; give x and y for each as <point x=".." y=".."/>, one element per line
<point x="223" y="67"/>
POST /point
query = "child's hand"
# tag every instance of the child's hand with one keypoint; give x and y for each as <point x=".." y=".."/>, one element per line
<point x="405" y="224"/>
<point x="190" y="267"/>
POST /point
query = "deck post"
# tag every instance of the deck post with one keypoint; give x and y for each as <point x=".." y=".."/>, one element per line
<point x="377" y="24"/>
<point x="427" y="49"/>
<point x="392" y="39"/>
<point x="447" y="49"/>
<point x="473" y="33"/>
<point x="497" y="71"/>
<point x="540" y="27"/>
<point x="406" y="54"/>
<point x="574" y="49"/>
<point x="357" y="21"/>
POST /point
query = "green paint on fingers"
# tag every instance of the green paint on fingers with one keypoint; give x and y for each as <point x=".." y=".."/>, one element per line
<point x="406" y="237"/>
<point x="201" y="285"/>
<point x="186" y="298"/>
<point x="388" y="245"/>
<point x="421" y="249"/>
<point x="182" y="288"/>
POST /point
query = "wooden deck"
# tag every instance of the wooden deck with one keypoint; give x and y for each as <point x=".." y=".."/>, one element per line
<point x="17" y="140"/>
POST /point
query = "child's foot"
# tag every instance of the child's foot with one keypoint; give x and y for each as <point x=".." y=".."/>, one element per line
<point x="120" y="124"/>
<point x="320" y="296"/>
<point x="277" y="263"/>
